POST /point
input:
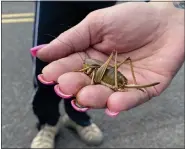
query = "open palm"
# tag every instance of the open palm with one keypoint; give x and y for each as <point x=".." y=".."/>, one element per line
<point x="136" y="30"/>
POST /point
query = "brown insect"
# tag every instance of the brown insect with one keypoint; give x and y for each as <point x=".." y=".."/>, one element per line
<point x="107" y="75"/>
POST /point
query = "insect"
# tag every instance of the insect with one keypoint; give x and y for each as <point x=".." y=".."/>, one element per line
<point x="107" y="75"/>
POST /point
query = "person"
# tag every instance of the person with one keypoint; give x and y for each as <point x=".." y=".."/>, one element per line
<point x="52" y="18"/>
<point x="150" y="34"/>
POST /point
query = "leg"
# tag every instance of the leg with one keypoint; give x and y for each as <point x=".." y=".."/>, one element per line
<point x="93" y="75"/>
<point x="116" y="72"/>
<point x="131" y="67"/>
<point x="134" y="78"/>
<point x="56" y="21"/>
<point x="132" y="71"/>
<point x="88" y="131"/>
<point x="45" y="101"/>
<point x="43" y="94"/>
<point x="83" y="69"/>
<point x="101" y="71"/>
<point x="115" y="87"/>
<point x="46" y="108"/>
<point x="82" y="124"/>
<point x="80" y="118"/>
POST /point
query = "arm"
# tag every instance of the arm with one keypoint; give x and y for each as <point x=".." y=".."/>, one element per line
<point x="165" y="3"/>
<point x="173" y="9"/>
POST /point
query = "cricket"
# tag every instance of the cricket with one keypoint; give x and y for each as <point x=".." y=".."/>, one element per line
<point x="105" y="74"/>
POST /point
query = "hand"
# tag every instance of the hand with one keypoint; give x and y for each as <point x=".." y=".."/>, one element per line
<point x="150" y="37"/>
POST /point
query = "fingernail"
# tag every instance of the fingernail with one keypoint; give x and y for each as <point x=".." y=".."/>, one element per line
<point x="59" y="93"/>
<point x="41" y="79"/>
<point x="110" y="113"/>
<point x="35" y="49"/>
<point x="77" y="108"/>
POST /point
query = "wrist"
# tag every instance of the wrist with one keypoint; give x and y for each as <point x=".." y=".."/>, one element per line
<point x="173" y="9"/>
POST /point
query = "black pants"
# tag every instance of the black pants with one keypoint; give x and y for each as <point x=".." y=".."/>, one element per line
<point x="54" y="18"/>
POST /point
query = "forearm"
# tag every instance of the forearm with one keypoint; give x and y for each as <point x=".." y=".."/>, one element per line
<point x="167" y="4"/>
<point x="174" y="8"/>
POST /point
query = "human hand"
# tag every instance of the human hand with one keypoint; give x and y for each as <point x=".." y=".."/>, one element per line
<point x="151" y="38"/>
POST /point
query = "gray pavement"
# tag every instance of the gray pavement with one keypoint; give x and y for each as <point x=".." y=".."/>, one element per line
<point x="158" y="123"/>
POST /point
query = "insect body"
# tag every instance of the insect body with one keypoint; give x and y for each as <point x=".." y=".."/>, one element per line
<point x="105" y="74"/>
<point x="108" y="79"/>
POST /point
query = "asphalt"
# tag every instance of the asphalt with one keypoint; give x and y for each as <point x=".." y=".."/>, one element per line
<point x="158" y="123"/>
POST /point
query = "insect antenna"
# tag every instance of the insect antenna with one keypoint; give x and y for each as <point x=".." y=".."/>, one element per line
<point x="68" y="45"/>
<point x="81" y="57"/>
<point x="57" y="39"/>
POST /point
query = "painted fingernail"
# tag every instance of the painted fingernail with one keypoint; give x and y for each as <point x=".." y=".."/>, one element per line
<point x="59" y="93"/>
<point x="35" y="49"/>
<point x="110" y="113"/>
<point x="43" y="81"/>
<point x="77" y="108"/>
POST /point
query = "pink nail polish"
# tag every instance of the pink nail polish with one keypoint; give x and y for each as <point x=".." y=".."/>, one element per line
<point x="35" y="49"/>
<point x="41" y="79"/>
<point x="77" y="108"/>
<point x="110" y="113"/>
<point x="59" y="93"/>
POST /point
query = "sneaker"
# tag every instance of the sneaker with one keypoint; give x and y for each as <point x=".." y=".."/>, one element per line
<point x="46" y="137"/>
<point x="91" y="134"/>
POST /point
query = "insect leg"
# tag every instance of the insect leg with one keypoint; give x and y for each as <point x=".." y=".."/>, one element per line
<point x="142" y="86"/>
<point x="116" y="71"/>
<point x="132" y="71"/>
<point x="83" y="69"/>
<point x="139" y="87"/>
<point x="109" y="86"/>
<point x="93" y="75"/>
<point x="89" y="71"/>
<point x="131" y="67"/>
<point x="101" y="71"/>
<point x="115" y="87"/>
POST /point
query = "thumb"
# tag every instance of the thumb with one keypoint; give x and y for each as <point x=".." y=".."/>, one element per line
<point x="73" y="40"/>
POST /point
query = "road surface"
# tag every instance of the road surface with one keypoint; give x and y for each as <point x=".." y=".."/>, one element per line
<point x="158" y="123"/>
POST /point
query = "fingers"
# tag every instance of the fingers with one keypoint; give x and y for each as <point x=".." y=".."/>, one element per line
<point x="56" y="68"/>
<point x="78" y="84"/>
<point x="94" y="96"/>
<point x="70" y="83"/>
<point x="123" y="101"/>
<point x="99" y="96"/>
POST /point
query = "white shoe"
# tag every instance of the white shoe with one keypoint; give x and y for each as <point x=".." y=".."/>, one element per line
<point x="46" y="137"/>
<point x="91" y="135"/>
